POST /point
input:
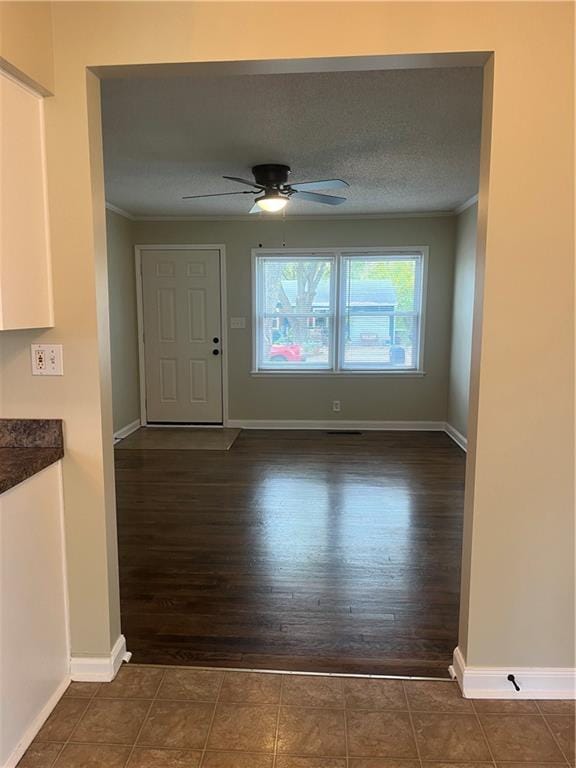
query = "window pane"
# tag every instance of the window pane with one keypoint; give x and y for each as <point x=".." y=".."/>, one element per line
<point x="380" y="305"/>
<point x="301" y="285"/>
<point x="295" y="313"/>
<point x="291" y="341"/>
<point x="367" y="342"/>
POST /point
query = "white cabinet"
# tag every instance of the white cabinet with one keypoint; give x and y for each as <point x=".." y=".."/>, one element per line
<point x="34" y="655"/>
<point x="25" y="273"/>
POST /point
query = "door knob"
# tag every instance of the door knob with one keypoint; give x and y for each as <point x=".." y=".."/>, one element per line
<point x="215" y="351"/>
<point x="215" y="339"/>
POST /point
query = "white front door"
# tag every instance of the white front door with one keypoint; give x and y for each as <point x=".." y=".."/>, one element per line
<point x="182" y="335"/>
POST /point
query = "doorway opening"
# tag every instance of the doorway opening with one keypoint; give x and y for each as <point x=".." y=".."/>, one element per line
<point x="326" y="535"/>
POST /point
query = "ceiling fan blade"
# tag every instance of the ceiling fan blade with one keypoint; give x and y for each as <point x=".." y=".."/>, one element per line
<point x="314" y="197"/>
<point x="219" y="194"/>
<point x="322" y="184"/>
<point x="243" y="181"/>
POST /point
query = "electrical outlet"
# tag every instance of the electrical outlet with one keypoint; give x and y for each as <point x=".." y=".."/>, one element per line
<point x="336" y="406"/>
<point x="47" y="360"/>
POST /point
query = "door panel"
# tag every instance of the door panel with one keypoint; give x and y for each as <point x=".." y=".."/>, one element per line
<point x="181" y="316"/>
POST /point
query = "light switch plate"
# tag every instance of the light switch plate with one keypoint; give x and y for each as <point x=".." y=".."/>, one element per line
<point x="237" y="322"/>
<point x="47" y="360"/>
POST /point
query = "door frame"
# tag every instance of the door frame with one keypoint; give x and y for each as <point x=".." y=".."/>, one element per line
<point x="221" y="248"/>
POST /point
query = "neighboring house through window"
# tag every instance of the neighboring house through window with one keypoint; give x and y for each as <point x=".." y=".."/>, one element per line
<point x="335" y="310"/>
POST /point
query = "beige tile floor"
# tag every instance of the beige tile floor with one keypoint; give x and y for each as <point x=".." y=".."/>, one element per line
<point x="152" y="717"/>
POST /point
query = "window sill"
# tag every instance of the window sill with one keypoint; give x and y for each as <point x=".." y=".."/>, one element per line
<point x="337" y="374"/>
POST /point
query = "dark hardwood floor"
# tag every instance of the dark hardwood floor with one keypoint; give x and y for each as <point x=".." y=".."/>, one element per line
<point x="294" y="551"/>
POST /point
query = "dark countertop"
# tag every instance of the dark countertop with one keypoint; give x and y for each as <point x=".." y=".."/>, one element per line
<point x="26" y="447"/>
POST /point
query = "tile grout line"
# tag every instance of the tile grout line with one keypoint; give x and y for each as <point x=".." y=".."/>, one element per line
<point x="144" y="721"/>
<point x="211" y="723"/>
<point x="543" y="716"/>
<point x="278" y="722"/>
<point x="307" y="756"/>
<point x="89" y="700"/>
<point x="374" y="708"/>
<point x="409" y="710"/>
<point x="483" y="730"/>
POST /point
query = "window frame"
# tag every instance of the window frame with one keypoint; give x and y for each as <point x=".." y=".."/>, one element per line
<point x="337" y="290"/>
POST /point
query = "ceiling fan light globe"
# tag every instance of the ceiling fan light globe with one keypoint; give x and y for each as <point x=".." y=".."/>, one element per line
<point x="272" y="203"/>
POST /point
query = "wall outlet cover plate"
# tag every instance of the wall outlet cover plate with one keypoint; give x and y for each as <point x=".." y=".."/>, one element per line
<point x="47" y="359"/>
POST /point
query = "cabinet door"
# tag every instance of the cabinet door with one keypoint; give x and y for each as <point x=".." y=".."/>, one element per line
<point x="34" y="655"/>
<point x="25" y="279"/>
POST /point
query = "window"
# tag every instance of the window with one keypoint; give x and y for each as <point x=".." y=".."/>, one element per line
<point x="338" y="310"/>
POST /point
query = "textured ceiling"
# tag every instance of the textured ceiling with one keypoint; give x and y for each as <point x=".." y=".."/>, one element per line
<point x="405" y="140"/>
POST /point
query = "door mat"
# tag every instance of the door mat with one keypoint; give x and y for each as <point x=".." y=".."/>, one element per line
<point x="179" y="439"/>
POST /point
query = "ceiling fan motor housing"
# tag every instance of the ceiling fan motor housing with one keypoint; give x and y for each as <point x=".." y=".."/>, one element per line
<point x="271" y="175"/>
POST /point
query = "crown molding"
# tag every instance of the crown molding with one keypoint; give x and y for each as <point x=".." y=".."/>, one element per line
<point x="466" y="204"/>
<point x="120" y="211"/>
<point x="274" y="217"/>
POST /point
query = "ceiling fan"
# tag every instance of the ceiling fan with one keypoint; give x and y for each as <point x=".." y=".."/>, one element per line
<point x="271" y="183"/>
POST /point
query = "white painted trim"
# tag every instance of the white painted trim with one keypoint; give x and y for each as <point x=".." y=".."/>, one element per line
<point x="330" y="425"/>
<point x="99" y="669"/>
<point x="304" y="217"/>
<point x="534" y="682"/>
<point x="224" y="335"/>
<point x="119" y="211"/>
<point x="127" y="430"/>
<point x="140" y="332"/>
<point x="178" y="425"/>
<point x="466" y="204"/>
<point x="329" y="373"/>
<point x="458" y="437"/>
<point x="223" y="320"/>
<point x="32" y="731"/>
<point x="326" y="218"/>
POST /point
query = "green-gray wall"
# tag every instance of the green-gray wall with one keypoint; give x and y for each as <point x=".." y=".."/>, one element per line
<point x="123" y="320"/>
<point x="462" y="314"/>
<point x="379" y="398"/>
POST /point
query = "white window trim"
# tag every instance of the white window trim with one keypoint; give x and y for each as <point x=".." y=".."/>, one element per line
<point x="335" y="352"/>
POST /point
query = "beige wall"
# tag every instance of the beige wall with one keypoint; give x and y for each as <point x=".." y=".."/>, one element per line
<point x="123" y="321"/>
<point x="462" y="315"/>
<point x="82" y="397"/>
<point x="383" y="398"/>
<point x="518" y="602"/>
<point x="26" y="42"/>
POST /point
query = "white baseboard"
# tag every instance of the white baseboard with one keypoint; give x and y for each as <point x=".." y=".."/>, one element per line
<point x="337" y="424"/>
<point x="127" y="430"/>
<point x="99" y="669"/>
<point x="34" y="727"/>
<point x="458" y="437"/>
<point x="534" y="682"/>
